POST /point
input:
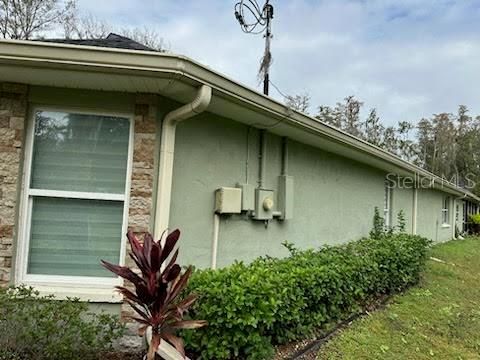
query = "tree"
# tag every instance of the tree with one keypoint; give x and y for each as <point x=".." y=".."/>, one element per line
<point x="145" y="36"/>
<point x="86" y="27"/>
<point x="445" y="144"/>
<point x="390" y="141"/>
<point x="299" y="102"/>
<point x="425" y="143"/>
<point x="352" y="122"/>
<point x="89" y="26"/>
<point x="345" y="116"/>
<point x="25" y="19"/>
<point x="374" y="130"/>
<point x="448" y="146"/>
<point x="465" y="143"/>
<point x="329" y="116"/>
<point x="407" y="148"/>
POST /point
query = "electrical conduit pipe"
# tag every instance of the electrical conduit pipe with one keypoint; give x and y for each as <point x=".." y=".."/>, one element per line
<point x="167" y="150"/>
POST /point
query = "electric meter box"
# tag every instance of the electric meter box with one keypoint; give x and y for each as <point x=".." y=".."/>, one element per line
<point x="264" y="204"/>
<point x="228" y="200"/>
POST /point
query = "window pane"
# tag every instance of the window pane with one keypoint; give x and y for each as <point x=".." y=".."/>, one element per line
<point x="71" y="236"/>
<point x="79" y="152"/>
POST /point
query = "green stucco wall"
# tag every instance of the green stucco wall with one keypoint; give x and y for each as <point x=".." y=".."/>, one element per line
<point x="430" y="215"/>
<point x="334" y="198"/>
<point x="402" y="200"/>
<point x="82" y="99"/>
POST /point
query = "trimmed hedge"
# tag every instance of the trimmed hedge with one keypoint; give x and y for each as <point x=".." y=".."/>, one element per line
<point x="251" y="307"/>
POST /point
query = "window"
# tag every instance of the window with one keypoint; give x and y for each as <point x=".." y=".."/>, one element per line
<point x="446" y="210"/>
<point x="75" y="204"/>
<point x="387" y="208"/>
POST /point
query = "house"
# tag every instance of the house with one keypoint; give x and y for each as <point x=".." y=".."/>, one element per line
<point x="98" y="136"/>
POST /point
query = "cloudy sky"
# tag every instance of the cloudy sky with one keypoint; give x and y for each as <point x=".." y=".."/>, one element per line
<point x="407" y="58"/>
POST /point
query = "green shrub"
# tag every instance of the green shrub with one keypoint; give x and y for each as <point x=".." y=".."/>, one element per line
<point x="475" y="219"/>
<point x="250" y="308"/>
<point x="401" y="222"/>
<point x="38" y="327"/>
<point x="156" y="299"/>
<point x="378" y="229"/>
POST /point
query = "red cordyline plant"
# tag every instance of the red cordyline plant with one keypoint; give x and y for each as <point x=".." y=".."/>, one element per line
<point x="156" y="297"/>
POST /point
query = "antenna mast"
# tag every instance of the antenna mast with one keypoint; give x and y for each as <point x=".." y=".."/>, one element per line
<point x="256" y="20"/>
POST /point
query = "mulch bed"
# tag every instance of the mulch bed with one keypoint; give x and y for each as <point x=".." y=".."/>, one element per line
<point x="306" y="349"/>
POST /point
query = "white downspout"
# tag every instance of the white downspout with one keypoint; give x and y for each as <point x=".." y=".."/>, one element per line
<point x="216" y="230"/>
<point x="415" y="210"/>
<point x="167" y="150"/>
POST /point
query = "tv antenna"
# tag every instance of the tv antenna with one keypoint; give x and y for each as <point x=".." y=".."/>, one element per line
<point x="254" y="19"/>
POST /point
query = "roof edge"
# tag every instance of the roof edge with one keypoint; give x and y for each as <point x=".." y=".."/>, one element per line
<point x="138" y="60"/>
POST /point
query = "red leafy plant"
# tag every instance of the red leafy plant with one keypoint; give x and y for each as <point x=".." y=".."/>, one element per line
<point x="156" y="299"/>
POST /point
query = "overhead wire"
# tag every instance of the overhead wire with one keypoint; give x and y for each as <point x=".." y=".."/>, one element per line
<point x="254" y="10"/>
<point x="278" y="90"/>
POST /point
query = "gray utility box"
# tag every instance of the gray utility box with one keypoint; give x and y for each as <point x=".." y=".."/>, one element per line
<point x="228" y="200"/>
<point x="264" y="204"/>
<point x="248" y="196"/>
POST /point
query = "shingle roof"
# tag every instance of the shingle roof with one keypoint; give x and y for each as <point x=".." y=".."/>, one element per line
<point x="111" y="41"/>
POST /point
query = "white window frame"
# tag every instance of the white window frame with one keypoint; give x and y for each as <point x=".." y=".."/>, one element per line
<point x="387" y="206"/>
<point x="84" y="287"/>
<point x="446" y="200"/>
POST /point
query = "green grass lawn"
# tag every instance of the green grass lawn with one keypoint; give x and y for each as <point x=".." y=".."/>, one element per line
<point x="438" y="319"/>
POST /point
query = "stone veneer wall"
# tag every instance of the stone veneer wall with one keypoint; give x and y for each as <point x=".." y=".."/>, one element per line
<point x="141" y="191"/>
<point x="13" y="110"/>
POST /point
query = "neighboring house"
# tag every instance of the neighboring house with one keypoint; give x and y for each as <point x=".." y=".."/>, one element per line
<point x="87" y="142"/>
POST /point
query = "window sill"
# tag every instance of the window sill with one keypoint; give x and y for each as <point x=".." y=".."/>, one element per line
<point x="88" y="294"/>
<point x="446" y="226"/>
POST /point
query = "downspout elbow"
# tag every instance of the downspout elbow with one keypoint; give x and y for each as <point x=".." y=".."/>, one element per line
<point x="197" y="106"/>
<point x="167" y="149"/>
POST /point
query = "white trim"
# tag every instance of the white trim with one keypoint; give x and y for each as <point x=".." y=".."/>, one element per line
<point x="453" y="216"/>
<point x="415" y="211"/>
<point x="76" y="195"/>
<point x="25" y="206"/>
<point x="446" y="211"/>
<point x="90" y="294"/>
<point x="128" y="184"/>
<point x="387" y="206"/>
<point x="89" y="281"/>
<point x="86" y="288"/>
<point x="79" y="110"/>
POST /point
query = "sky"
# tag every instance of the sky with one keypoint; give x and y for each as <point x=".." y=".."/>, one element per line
<point x="407" y="58"/>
